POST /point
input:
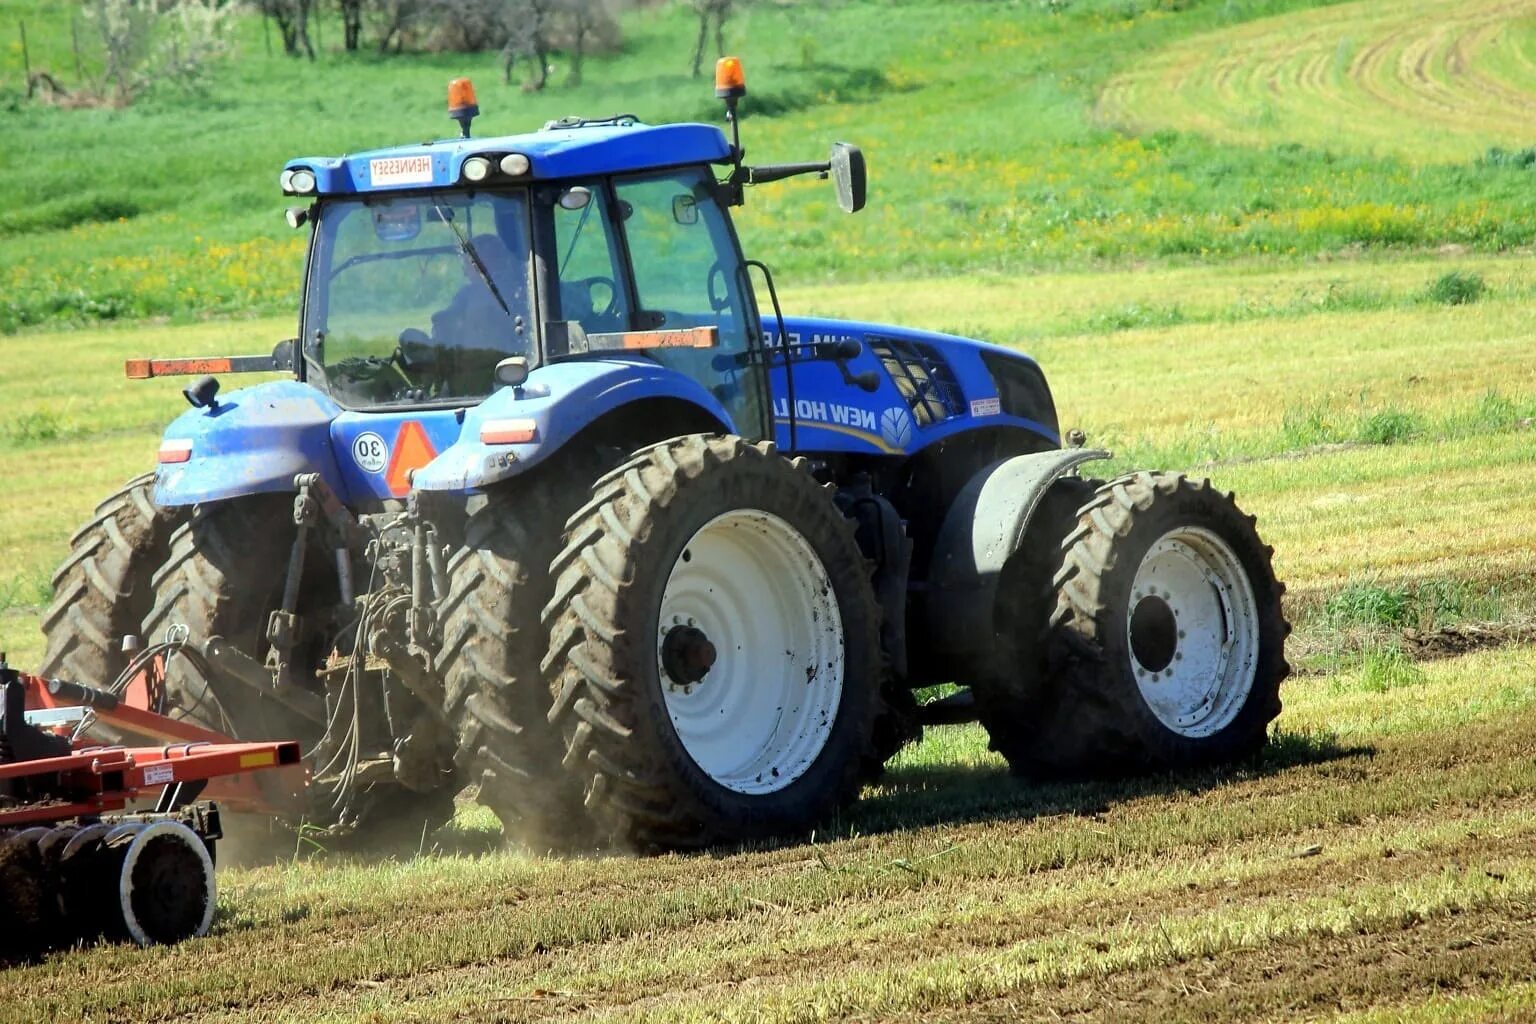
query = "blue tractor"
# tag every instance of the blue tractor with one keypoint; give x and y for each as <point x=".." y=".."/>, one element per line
<point x="557" y="503"/>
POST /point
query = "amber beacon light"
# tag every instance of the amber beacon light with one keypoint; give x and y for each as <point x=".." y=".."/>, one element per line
<point x="730" y="80"/>
<point x="461" y="103"/>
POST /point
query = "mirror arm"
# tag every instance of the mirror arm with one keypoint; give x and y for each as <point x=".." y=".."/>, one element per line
<point x="778" y="172"/>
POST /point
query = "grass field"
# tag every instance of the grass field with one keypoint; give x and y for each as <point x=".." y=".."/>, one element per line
<point x="1376" y="865"/>
<point x="1262" y="240"/>
<point x="1423" y="80"/>
<point x="982" y="123"/>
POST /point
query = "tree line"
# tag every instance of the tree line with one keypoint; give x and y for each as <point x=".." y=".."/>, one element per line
<point x="123" y="47"/>
<point x="525" y="32"/>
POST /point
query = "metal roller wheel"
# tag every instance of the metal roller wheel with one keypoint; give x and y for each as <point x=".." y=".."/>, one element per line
<point x="30" y="917"/>
<point x="165" y="885"/>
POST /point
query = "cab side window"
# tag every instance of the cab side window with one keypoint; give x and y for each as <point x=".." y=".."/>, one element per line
<point x="686" y="272"/>
<point x="586" y="248"/>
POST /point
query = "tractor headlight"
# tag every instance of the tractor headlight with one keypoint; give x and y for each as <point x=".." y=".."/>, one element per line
<point x="477" y="168"/>
<point x="301" y="181"/>
<point x="285" y="180"/>
<point x="514" y="165"/>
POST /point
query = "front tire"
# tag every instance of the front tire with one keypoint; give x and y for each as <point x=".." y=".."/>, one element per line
<point x="714" y="648"/>
<point x="1167" y="643"/>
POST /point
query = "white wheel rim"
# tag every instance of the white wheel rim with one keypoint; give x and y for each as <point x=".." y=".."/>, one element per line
<point x="126" y="892"/>
<point x="1193" y="632"/>
<point x="762" y="713"/>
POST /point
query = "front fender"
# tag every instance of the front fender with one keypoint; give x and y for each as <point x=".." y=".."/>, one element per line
<point x="255" y="440"/>
<point x="559" y="400"/>
<point x="985" y="525"/>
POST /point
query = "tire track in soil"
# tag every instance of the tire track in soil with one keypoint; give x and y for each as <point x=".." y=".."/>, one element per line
<point x="1421" y="77"/>
<point x="581" y="980"/>
<point x="1085" y="948"/>
<point x="524" y="967"/>
<point x="1485" y="948"/>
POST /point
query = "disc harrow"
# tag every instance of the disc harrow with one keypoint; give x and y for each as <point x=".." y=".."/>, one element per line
<point x="81" y="858"/>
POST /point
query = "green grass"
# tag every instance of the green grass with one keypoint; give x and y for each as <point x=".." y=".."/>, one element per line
<point x="1215" y="279"/>
<point x="179" y="214"/>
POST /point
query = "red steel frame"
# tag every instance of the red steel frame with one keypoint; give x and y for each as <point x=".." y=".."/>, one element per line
<point x="257" y="778"/>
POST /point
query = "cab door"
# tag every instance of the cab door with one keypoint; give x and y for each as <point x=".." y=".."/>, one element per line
<point x="656" y="254"/>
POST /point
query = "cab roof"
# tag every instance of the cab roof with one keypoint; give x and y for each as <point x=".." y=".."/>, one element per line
<point x="571" y="148"/>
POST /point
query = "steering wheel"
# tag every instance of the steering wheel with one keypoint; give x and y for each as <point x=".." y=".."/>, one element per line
<point x="591" y="291"/>
<point x="375" y="368"/>
<point x="719" y="298"/>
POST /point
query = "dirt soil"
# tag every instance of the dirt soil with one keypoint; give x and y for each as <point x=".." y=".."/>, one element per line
<point x="1453" y="641"/>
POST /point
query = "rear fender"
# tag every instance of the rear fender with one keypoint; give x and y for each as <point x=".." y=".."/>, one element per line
<point x="985" y="525"/>
<point x="559" y="401"/>
<point x="252" y="441"/>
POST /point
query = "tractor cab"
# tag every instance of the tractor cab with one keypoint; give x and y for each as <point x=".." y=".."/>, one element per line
<point x="441" y="272"/>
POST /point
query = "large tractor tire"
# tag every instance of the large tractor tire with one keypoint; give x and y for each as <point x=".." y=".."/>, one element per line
<point x="492" y="646"/>
<point x="714" y="648"/>
<point x="102" y="591"/>
<point x="1017" y="683"/>
<point x="225" y="577"/>
<point x="1166" y="645"/>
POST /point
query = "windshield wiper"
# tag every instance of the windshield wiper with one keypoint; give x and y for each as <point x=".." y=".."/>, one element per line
<point x="474" y="257"/>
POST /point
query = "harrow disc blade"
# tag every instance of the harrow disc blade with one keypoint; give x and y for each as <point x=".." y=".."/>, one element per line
<point x="30" y="917"/>
<point x="165" y="885"/>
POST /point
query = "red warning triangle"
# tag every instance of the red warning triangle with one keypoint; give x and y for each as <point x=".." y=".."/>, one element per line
<point x="412" y="450"/>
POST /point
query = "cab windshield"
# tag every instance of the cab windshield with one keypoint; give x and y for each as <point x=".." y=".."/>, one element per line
<point x="416" y="298"/>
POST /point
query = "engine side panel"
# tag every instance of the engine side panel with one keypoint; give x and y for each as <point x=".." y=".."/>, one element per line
<point x="931" y="386"/>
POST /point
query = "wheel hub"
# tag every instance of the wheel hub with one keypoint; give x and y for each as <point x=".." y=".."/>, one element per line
<point x="1193" y="632"/>
<point x="687" y="655"/>
<point x="749" y="651"/>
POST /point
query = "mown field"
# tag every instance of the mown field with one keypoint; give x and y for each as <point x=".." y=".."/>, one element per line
<point x="1375" y="865"/>
<point x="1262" y="241"/>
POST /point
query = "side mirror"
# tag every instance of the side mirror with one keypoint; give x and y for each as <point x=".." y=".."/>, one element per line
<point x="685" y="210"/>
<point x="848" y="176"/>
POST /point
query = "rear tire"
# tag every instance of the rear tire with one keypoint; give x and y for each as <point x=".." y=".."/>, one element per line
<point x="224" y="577"/>
<point x="699" y="547"/>
<point x="493" y="641"/>
<point x="1167" y="642"/>
<point x="102" y="592"/>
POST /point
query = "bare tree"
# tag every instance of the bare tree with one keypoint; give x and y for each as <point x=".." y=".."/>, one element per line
<point x="394" y="18"/>
<point x="527" y="24"/>
<point x="710" y="10"/>
<point x="470" y="25"/>
<point x="292" y="19"/>
<point x="351" y="23"/>
<point x="586" y="25"/>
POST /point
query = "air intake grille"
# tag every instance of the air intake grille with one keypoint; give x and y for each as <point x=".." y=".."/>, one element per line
<point x="922" y="377"/>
